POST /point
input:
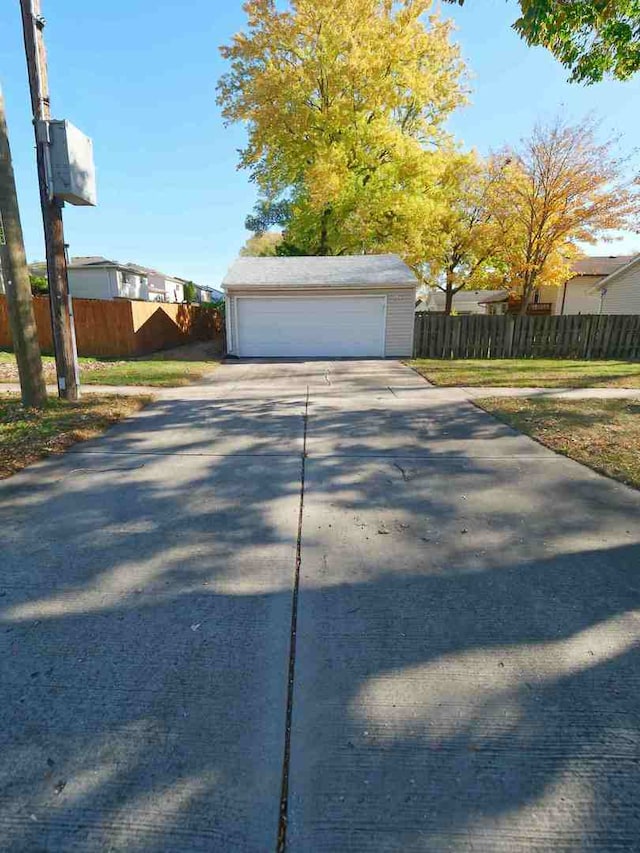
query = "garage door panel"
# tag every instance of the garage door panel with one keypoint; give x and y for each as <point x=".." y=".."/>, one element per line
<point x="301" y="327"/>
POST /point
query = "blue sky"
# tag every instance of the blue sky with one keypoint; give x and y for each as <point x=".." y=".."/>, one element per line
<point x="139" y="77"/>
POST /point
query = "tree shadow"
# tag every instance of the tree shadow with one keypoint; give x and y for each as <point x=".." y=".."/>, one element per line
<point x="145" y="605"/>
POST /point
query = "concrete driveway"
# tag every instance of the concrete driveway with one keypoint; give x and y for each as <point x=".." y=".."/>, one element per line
<point x="322" y="603"/>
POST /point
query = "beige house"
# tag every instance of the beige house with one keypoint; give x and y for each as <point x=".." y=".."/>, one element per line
<point x="327" y="307"/>
<point x="580" y="293"/>
<point x="620" y="292"/>
<point x="464" y="301"/>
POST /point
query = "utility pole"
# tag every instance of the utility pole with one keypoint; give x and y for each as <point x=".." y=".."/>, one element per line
<point x="61" y="319"/>
<point x="14" y="271"/>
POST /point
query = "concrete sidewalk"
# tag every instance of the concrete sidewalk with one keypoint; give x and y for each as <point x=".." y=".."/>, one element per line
<point x="459" y="392"/>
<point x="555" y="393"/>
<point x="118" y="390"/>
<point x="466" y="671"/>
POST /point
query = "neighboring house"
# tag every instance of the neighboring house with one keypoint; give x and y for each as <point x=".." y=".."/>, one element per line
<point x="208" y="294"/>
<point x="581" y="294"/>
<point x="349" y="306"/>
<point x="161" y="287"/>
<point x="464" y="301"/>
<point x="511" y="303"/>
<point x="99" y="278"/>
<point x="620" y="291"/>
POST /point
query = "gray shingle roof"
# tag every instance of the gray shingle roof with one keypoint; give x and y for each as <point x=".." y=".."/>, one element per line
<point x="339" y="271"/>
<point x="619" y="272"/>
<point x="600" y="264"/>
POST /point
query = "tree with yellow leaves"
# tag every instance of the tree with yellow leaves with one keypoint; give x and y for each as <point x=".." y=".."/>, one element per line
<point x="263" y="245"/>
<point x="559" y="189"/>
<point x="464" y="250"/>
<point x="344" y="103"/>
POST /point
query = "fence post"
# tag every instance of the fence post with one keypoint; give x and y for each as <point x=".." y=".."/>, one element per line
<point x="508" y="344"/>
<point x="586" y="348"/>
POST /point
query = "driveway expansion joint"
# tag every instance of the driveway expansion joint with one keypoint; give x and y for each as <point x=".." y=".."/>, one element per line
<point x="281" y="844"/>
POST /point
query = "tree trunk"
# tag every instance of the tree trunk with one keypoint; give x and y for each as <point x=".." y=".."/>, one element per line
<point x="527" y="290"/>
<point x="13" y="264"/>
<point x="448" y="301"/>
<point x="323" y="247"/>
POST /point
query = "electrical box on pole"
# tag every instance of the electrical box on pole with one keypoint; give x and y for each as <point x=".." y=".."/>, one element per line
<point x="73" y="174"/>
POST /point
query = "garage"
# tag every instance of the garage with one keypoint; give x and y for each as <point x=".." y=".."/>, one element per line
<point x="320" y="307"/>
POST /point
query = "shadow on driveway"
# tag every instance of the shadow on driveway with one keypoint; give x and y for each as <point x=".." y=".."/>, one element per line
<point x="454" y="690"/>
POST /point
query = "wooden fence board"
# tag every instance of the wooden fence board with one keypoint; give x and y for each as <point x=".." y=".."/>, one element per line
<point x="575" y="336"/>
<point x="121" y="328"/>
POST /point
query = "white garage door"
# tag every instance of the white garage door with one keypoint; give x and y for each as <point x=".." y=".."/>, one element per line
<point x="311" y="326"/>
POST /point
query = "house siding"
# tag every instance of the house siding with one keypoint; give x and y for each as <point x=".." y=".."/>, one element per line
<point x="165" y="289"/>
<point x="622" y="295"/>
<point x="580" y="297"/>
<point x="105" y="283"/>
<point x="399" y="314"/>
<point x="90" y="284"/>
<point x="134" y="287"/>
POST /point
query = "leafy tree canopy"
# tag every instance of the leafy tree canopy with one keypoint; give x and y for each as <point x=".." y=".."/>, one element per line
<point x="268" y="213"/>
<point x="39" y="284"/>
<point x="190" y="291"/>
<point x="349" y="133"/>
<point x="464" y="251"/>
<point x="559" y="188"/>
<point x="593" y="38"/>
<point x="263" y="245"/>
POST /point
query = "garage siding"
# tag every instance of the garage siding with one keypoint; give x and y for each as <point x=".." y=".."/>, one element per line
<point x="401" y="306"/>
<point x="399" y="316"/>
<point x="230" y="313"/>
<point x="623" y="293"/>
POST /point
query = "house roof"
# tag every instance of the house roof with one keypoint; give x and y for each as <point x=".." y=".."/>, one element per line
<point x="492" y="296"/>
<point x="333" y="271"/>
<point x="633" y="261"/>
<point x="148" y="271"/>
<point x="600" y="264"/>
<point x="90" y="261"/>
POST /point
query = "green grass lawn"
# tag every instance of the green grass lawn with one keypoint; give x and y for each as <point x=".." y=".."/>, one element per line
<point x="534" y="373"/>
<point x="603" y="434"/>
<point x="155" y="371"/>
<point x="28" y="434"/>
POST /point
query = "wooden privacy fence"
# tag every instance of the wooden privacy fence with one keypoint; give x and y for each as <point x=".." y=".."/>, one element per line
<point x="478" y="336"/>
<point x="120" y="328"/>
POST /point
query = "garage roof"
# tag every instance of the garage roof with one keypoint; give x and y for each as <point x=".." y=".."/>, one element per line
<point x="334" y="271"/>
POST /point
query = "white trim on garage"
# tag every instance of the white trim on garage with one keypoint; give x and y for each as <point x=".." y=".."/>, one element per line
<point x="295" y="349"/>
